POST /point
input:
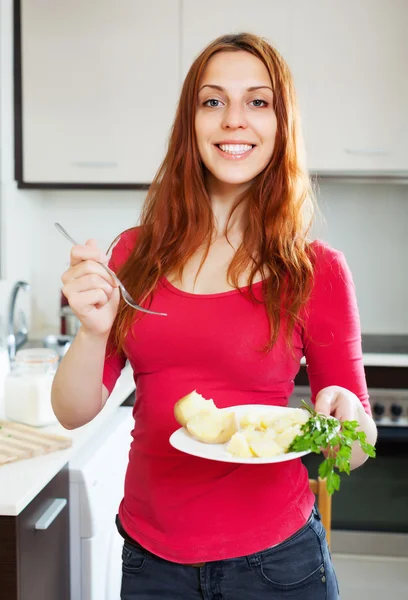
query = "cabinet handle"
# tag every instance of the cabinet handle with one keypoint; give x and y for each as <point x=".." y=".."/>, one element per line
<point x="367" y="152"/>
<point x="52" y="512"/>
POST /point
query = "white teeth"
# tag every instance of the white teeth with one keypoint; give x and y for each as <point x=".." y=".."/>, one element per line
<point x="235" y="148"/>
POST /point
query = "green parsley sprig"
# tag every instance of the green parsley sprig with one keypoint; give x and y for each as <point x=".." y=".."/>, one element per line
<point x="321" y="432"/>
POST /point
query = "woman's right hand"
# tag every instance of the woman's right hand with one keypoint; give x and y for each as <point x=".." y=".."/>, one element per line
<point x="91" y="292"/>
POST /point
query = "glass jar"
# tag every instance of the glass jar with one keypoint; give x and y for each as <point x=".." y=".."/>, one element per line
<point x="27" y="391"/>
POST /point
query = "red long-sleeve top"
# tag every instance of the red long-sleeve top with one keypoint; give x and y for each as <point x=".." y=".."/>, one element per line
<point x="187" y="509"/>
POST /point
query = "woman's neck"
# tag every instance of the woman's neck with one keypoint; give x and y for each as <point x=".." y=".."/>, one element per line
<point x="223" y="198"/>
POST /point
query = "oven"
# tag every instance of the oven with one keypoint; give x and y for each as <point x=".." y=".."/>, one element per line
<point x="369" y="541"/>
<point x="370" y="511"/>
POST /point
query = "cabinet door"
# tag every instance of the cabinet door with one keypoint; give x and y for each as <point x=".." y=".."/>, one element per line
<point x="204" y="21"/>
<point x="100" y="82"/>
<point x="349" y="65"/>
<point x="43" y="543"/>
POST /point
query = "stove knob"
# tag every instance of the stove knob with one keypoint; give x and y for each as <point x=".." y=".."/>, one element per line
<point x="378" y="409"/>
<point x="396" y="410"/>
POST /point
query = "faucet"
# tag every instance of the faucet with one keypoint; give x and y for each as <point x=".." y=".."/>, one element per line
<point x="16" y="339"/>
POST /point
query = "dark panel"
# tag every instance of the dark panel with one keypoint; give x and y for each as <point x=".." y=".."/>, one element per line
<point x="8" y="559"/>
<point x="18" y="114"/>
<point x="83" y="186"/>
<point x="377" y="377"/>
<point x="387" y="377"/>
<point x="130" y="400"/>
<point x="44" y="555"/>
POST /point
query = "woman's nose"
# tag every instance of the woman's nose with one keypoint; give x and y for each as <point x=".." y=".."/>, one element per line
<point x="234" y="117"/>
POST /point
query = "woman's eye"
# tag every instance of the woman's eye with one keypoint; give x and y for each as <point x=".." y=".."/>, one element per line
<point x="213" y="102"/>
<point x="259" y="103"/>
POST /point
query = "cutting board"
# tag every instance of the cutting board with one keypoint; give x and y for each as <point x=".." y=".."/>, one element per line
<point x="18" y="441"/>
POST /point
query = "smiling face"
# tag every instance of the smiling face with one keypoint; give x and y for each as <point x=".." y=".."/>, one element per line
<point x="235" y="121"/>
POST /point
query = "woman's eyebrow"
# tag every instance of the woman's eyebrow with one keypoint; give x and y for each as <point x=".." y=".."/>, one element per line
<point x="250" y="89"/>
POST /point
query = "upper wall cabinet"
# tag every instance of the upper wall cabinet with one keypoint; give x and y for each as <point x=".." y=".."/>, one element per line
<point x="97" y="83"/>
<point x="351" y="75"/>
<point x="202" y="22"/>
<point x="348" y="59"/>
<point x="99" y="88"/>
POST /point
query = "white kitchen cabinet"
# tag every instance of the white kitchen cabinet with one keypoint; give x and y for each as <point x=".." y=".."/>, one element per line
<point x="348" y="59"/>
<point x="100" y="84"/>
<point x="350" y="72"/>
<point x="202" y="22"/>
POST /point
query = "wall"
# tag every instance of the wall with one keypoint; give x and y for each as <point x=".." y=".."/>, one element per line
<point x="100" y="215"/>
<point x="20" y="212"/>
<point x="367" y="221"/>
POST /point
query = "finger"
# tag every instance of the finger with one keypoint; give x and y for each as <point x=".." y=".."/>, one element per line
<point x="93" y="281"/>
<point x="88" y="252"/>
<point x="345" y="411"/>
<point x="82" y="302"/>
<point x="324" y="402"/>
<point x="94" y="245"/>
<point x="92" y="299"/>
<point x="85" y="268"/>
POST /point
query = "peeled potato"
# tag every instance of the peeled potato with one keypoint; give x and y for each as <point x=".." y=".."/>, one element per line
<point x="250" y="419"/>
<point x="300" y="416"/>
<point x="190" y="405"/>
<point x="282" y="423"/>
<point x="268" y="420"/>
<point x="286" y="437"/>
<point x="238" y="446"/>
<point x="267" y="435"/>
<point x="213" y="427"/>
<point x="263" y="445"/>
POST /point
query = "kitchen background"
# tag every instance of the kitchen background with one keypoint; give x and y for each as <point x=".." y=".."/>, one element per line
<point x="100" y="82"/>
<point x="365" y="219"/>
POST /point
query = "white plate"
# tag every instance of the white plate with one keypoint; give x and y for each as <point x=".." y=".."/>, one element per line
<point x="183" y="441"/>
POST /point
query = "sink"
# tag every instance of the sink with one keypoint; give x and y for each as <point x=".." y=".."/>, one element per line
<point x="59" y="343"/>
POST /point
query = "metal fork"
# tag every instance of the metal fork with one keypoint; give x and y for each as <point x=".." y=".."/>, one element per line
<point x="125" y="294"/>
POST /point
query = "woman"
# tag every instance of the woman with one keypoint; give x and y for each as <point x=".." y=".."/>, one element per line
<point x="222" y="249"/>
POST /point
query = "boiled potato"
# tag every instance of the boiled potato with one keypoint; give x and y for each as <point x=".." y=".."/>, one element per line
<point x="213" y="427"/>
<point x="265" y="435"/>
<point x="250" y="419"/>
<point x="269" y="434"/>
<point x="300" y="416"/>
<point x="268" y="420"/>
<point x="286" y="437"/>
<point x="264" y="445"/>
<point x="283" y="422"/>
<point x="190" y="405"/>
<point x="238" y="446"/>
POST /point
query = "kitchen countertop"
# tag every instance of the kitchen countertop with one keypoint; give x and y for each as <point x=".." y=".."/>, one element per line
<point x="372" y="359"/>
<point x="380" y="350"/>
<point x="383" y="359"/>
<point x="22" y="480"/>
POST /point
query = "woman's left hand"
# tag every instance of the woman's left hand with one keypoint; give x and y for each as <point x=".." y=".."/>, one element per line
<point x="342" y="404"/>
<point x="338" y="402"/>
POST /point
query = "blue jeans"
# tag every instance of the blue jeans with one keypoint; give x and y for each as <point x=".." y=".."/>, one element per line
<point x="299" y="568"/>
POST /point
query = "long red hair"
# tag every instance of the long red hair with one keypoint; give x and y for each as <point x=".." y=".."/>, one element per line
<point x="177" y="218"/>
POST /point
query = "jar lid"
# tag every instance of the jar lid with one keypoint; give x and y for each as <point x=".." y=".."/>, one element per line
<point x="37" y="356"/>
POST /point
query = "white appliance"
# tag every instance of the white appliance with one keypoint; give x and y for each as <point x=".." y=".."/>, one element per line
<point x="96" y="489"/>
